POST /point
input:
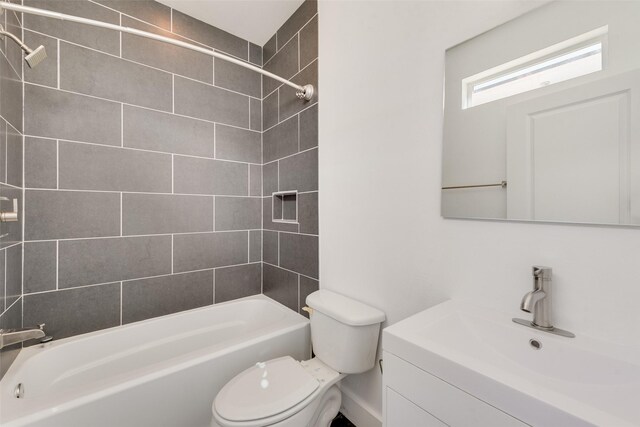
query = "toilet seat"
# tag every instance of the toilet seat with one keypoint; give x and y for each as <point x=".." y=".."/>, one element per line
<point x="264" y="390"/>
<point x="292" y="388"/>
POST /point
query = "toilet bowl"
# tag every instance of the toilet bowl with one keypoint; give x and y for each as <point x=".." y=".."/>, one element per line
<point x="284" y="392"/>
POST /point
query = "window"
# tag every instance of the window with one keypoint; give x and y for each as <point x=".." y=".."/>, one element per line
<point x="564" y="61"/>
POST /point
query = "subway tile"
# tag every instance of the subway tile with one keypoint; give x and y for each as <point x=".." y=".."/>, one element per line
<point x="308" y="212"/>
<point x="55" y="114"/>
<point x="255" y="245"/>
<point x="13" y="274"/>
<point x="11" y="319"/>
<point x="146" y="298"/>
<point x="255" y="180"/>
<point x="92" y="73"/>
<point x="175" y="59"/>
<point x="40" y="163"/>
<point x="281" y="285"/>
<point x="163" y="214"/>
<point x="195" y="99"/>
<point x="238" y="144"/>
<point x="309" y="42"/>
<point x="147" y="10"/>
<point x="270" y="247"/>
<point x="14" y="157"/>
<point x="284" y="64"/>
<point x="216" y="38"/>
<point x="297" y="20"/>
<point x="267" y="220"/>
<point x="269" y="49"/>
<point x="11" y="91"/>
<point x="309" y="128"/>
<point x="11" y="231"/>
<point x="89" y="261"/>
<point x="95" y="167"/>
<point x="238" y="282"/>
<point x="237" y="78"/>
<point x="269" y="178"/>
<point x="255" y="119"/>
<point x="289" y="104"/>
<point x="40" y="265"/>
<point x="46" y="73"/>
<point x="299" y="252"/>
<point x="307" y="287"/>
<point x="101" y="39"/>
<point x="255" y="54"/>
<point x="299" y="172"/>
<point x="209" y="250"/>
<point x="71" y="214"/>
<point x="270" y="115"/>
<point x="74" y="311"/>
<point x="202" y="176"/>
<point x="238" y="213"/>
<point x="157" y="131"/>
<point x="281" y="140"/>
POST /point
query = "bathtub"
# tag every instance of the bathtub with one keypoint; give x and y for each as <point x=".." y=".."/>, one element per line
<point x="158" y="372"/>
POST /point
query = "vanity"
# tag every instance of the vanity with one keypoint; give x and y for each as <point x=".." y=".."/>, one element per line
<point x="457" y="364"/>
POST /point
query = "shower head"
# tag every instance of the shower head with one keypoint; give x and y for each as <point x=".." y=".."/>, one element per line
<point x="36" y="56"/>
<point x="33" y="56"/>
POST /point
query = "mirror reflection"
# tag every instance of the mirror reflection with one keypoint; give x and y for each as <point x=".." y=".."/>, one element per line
<point x="542" y="117"/>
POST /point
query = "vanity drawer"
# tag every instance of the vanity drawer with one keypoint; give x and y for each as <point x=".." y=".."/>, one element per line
<point x="403" y="412"/>
<point x="448" y="404"/>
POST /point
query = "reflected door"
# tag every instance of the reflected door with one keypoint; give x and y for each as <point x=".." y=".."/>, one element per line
<point x="571" y="154"/>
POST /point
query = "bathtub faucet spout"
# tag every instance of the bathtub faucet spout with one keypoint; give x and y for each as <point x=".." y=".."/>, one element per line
<point x="13" y="336"/>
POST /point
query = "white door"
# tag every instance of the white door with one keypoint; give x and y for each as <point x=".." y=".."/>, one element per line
<point x="574" y="155"/>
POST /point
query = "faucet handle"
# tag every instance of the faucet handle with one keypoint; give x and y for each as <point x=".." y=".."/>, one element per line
<point x="41" y="326"/>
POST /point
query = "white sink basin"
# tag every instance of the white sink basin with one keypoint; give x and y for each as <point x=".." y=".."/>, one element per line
<point x="568" y="381"/>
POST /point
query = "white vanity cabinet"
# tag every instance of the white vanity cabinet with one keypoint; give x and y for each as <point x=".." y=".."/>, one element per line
<point x="416" y="398"/>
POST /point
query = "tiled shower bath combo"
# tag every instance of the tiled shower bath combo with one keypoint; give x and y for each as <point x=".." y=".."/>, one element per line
<point x="149" y="169"/>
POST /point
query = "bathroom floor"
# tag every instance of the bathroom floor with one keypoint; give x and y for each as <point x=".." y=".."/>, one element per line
<point x="341" y="421"/>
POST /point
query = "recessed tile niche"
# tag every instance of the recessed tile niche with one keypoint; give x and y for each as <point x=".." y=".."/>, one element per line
<point x="285" y="206"/>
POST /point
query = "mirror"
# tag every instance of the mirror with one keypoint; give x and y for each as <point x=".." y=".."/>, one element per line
<point x="542" y="117"/>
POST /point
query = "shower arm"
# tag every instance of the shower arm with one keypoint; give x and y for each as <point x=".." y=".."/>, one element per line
<point x="304" y="92"/>
<point x="15" y="39"/>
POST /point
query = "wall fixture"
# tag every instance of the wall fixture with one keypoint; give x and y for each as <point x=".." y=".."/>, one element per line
<point x="11" y="216"/>
<point x="303" y="92"/>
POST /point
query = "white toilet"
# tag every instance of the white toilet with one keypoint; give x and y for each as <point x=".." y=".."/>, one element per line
<point x="283" y="392"/>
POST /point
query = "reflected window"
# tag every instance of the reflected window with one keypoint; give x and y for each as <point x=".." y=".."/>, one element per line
<point x="555" y="64"/>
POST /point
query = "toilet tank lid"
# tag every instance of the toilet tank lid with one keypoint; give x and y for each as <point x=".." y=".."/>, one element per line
<point x="344" y="309"/>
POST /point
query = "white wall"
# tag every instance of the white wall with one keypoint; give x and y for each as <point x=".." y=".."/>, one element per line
<point x="382" y="238"/>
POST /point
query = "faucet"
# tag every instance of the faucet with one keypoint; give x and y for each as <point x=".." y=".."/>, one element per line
<point x="538" y="302"/>
<point x="13" y="336"/>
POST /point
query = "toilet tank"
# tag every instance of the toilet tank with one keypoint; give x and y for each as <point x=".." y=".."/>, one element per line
<point x="344" y="332"/>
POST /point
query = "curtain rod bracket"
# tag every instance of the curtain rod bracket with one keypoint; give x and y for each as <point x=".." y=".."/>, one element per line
<point x="307" y="93"/>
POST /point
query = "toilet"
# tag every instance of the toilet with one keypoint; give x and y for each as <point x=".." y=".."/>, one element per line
<point x="284" y="392"/>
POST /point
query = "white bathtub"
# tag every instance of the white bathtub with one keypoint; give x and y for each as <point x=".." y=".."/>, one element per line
<point x="158" y="372"/>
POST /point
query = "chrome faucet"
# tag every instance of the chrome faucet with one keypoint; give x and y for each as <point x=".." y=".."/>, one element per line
<point x="13" y="336"/>
<point x="538" y="302"/>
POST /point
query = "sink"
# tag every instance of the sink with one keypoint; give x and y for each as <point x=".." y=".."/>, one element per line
<point x="539" y="378"/>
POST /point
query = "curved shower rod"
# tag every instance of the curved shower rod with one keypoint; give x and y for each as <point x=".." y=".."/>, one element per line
<point x="304" y="92"/>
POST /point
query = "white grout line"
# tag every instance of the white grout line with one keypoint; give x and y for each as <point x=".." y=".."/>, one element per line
<point x="70" y="190"/>
<point x="290" y="271"/>
<point x="121" y="209"/>
<point x="58" y="62"/>
<point x="172" y="254"/>
<point x="57" y="164"/>
<point x="57" y="263"/>
<point x="121" y="303"/>
<point x="122" y="125"/>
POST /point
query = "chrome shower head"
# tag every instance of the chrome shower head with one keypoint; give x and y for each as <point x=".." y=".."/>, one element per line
<point x="33" y="56"/>
<point x="36" y="56"/>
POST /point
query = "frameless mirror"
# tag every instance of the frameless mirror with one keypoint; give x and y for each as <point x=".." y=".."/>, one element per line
<point x="542" y="117"/>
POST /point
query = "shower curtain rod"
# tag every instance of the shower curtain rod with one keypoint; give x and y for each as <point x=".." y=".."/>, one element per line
<point x="304" y="92"/>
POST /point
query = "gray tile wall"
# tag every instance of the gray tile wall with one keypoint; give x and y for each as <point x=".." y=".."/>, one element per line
<point x="11" y="183"/>
<point x="143" y="173"/>
<point x="290" y="153"/>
